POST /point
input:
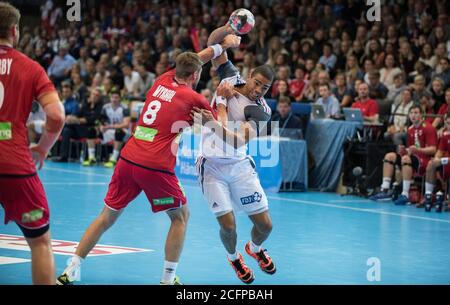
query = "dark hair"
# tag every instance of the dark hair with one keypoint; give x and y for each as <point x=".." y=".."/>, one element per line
<point x="416" y="107"/>
<point x="264" y="70"/>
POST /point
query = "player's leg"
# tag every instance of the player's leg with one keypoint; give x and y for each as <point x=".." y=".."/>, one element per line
<point x="389" y="162"/>
<point x="217" y="193"/>
<point x="25" y="203"/>
<point x="174" y="243"/>
<point x="122" y="190"/>
<point x="409" y="165"/>
<point x="430" y="182"/>
<point x="118" y="137"/>
<point x="249" y="196"/>
<point x="42" y="262"/>
<point x="91" y="134"/>
<point x="262" y="226"/>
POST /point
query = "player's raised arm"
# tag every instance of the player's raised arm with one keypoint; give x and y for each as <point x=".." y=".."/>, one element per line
<point x="216" y="37"/>
<point x="215" y="50"/>
<point x="54" y="124"/>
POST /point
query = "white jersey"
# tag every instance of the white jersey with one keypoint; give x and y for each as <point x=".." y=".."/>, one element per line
<point x="212" y="146"/>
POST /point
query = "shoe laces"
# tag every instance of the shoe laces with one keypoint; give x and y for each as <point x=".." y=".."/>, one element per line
<point x="263" y="256"/>
<point x="240" y="265"/>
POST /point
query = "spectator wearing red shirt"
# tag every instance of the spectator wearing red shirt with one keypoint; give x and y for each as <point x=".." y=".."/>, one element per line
<point x="443" y="109"/>
<point x="368" y="106"/>
<point x="298" y="84"/>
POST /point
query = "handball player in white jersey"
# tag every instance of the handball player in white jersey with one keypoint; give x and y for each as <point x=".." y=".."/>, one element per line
<point x="226" y="173"/>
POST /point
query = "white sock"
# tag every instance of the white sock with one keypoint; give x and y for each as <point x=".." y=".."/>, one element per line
<point x="115" y="155"/>
<point x="76" y="260"/>
<point x="169" y="272"/>
<point x="234" y="256"/>
<point x="386" y="183"/>
<point x="91" y="153"/>
<point x="406" y="186"/>
<point x="254" y="247"/>
<point x="429" y="188"/>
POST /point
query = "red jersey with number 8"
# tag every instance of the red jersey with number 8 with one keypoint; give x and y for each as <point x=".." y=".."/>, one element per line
<point x="22" y="81"/>
<point x="166" y="112"/>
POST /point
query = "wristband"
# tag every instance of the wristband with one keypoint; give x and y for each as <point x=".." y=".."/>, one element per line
<point x="217" y="48"/>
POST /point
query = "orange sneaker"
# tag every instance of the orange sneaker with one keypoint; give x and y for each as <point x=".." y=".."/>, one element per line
<point x="264" y="261"/>
<point x="243" y="272"/>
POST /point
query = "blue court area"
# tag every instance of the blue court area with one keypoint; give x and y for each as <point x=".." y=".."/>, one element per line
<point x="318" y="238"/>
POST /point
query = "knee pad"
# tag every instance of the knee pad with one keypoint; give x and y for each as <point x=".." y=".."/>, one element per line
<point x="119" y="135"/>
<point x="388" y="161"/>
<point x="407" y="164"/>
<point x="33" y="233"/>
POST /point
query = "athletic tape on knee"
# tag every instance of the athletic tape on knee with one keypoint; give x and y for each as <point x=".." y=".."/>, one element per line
<point x="389" y="161"/>
<point x="407" y="164"/>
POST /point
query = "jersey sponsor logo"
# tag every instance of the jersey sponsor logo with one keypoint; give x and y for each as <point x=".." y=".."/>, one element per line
<point x="5" y="131"/>
<point x="164" y="94"/>
<point x="256" y="197"/>
<point x="32" y="216"/>
<point x="163" y="201"/>
<point x="145" y="133"/>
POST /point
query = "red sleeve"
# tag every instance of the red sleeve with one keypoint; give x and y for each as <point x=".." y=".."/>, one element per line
<point x="373" y="108"/>
<point x="203" y="103"/>
<point x="431" y="136"/>
<point x="443" y="143"/>
<point x="42" y="84"/>
<point x="443" y="109"/>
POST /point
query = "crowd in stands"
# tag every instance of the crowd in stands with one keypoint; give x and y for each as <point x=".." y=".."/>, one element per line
<point x="323" y="51"/>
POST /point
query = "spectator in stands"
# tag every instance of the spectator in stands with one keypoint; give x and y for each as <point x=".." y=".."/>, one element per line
<point x="83" y="126"/>
<point x="368" y="106"/>
<point x="389" y="70"/>
<point x="70" y="102"/>
<point x="377" y="90"/>
<point x="115" y="126"/>
<point x="414" y="158"/>
<point x="442" y="110"/>
<point x="60" y="67"/>
<point x="420" y="89"/>
<point x="146" y="80"/>
<point x="289" y="124"/>
<point x="282" y="75"/>
<point x="428" y="105"/>
<point x="328" y="101"/>
<point x="399" y="117"/>
<point x="395" y="91"/>
<point x="342" y="92"/>
<point x="310" y="93"/>
<point x="131" y="81"/>
<point x="437" y="90"/>
<point x="352" y="70"/>
<point x="444" y="64"/>
<point x="328" y="59"/>
<point x="298" y="84"/>
<point x="79" y="88"/>
<point x="427" y="56"/>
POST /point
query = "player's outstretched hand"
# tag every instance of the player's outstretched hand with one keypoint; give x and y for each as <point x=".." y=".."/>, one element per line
<point x="231" y="41"/>
<point x="226" y="90"/>
<point x="38" y="155"/>
<point x="202" y="115"/>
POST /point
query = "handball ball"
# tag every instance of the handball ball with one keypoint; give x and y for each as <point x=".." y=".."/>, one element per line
<point x="242" y="21"/>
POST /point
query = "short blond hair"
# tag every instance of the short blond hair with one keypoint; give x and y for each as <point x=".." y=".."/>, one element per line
<point x="9" y="16"/>
<point x="187" y="63"/>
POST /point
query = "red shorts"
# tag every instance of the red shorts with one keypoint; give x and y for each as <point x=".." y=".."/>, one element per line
<point x="162" y="189"/>
<point x="24" y="201"/>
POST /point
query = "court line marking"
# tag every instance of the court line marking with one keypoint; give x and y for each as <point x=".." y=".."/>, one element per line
<point x="6" y="260"/>
<point x="328" y="205"/>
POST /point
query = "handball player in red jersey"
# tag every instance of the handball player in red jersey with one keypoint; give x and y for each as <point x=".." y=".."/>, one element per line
<point x="148" y="159"/>
<point x="22" y="195"/>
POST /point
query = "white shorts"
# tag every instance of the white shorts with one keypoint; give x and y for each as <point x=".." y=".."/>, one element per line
<point x="231" y="185"/>
<point x="110" y="135"/>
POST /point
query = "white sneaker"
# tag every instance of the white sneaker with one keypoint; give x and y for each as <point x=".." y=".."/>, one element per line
<point x="71" y="274"/>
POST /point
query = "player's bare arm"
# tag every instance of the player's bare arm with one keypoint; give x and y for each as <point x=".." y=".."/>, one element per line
<point x="246" y="132"/>
<point x="54" y="124"/>
<point x="216" y="37"/>
<point x="211" y="52"/>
